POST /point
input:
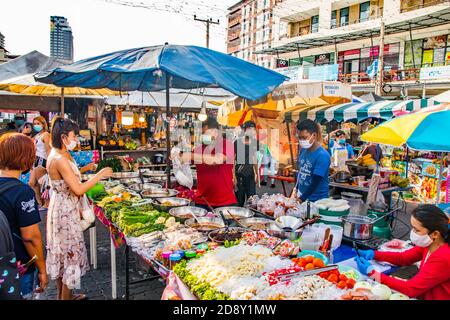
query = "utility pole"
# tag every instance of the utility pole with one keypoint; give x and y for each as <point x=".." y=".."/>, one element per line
<point x="208" y="22"/>
<point x="379" y="84"/>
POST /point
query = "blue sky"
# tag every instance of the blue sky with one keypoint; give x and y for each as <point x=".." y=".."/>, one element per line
<point x="101" y="27"/>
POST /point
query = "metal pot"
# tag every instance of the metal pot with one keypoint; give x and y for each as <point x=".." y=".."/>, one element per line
<point x="358" y="227"/>
<point x="342" y="177"/>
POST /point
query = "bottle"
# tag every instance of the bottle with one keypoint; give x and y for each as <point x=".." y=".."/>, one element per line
<point x="174" y="259"/>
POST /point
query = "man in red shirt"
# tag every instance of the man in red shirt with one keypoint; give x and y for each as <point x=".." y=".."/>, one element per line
<point x="214" y="160"/>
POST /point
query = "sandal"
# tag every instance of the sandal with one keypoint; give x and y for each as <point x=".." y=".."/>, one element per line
<point x="80" y="296"/>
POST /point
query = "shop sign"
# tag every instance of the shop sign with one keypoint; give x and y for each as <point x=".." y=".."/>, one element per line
<point x="294" y="73"/>
<point x="282" y="63"/>
<point x="327" y="72"/>
<point x="433" y="73"/>
<point x="338" y="90"/>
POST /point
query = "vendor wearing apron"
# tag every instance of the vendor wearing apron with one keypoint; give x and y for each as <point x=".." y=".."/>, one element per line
<point x="431" y="236"/>
<point x="313" y="164"/>
<point x="340" y="143"/>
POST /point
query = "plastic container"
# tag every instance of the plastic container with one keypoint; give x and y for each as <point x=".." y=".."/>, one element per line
<point x="332" y="217"/>
<point x="336" y="231"/>
<point x="200" y="252"/>
<point x="315" y="254"/>
<point x="190" y="254"/>
<point x="354" y="201"/>
<point x="203" y="246"/>
<point x="213" y="245"/>
<point x="310" y="240"/>
<point x="174" y="259"/>
<point x="166" y="258"/>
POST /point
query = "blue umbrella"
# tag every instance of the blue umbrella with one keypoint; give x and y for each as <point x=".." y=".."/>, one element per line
<point x="145" y="69"/>
<point x="164" y="67"/>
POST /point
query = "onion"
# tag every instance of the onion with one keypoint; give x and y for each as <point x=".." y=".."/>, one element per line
<point x="398" y="296"/>
<point x="382" y="291"/>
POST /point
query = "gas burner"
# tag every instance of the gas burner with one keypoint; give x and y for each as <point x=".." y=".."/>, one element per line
<point x="372" y="243"/>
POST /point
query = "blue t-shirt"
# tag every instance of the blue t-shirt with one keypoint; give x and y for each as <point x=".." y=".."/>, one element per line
<point x="21" y="209"/>
<point x="314" y="163"/>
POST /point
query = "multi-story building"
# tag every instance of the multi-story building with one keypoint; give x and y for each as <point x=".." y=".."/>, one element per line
<point x="61" y="39"/>
<point x="250" y="30"/>
<point x="347" y="33"/>
<point x="2" y="40"/>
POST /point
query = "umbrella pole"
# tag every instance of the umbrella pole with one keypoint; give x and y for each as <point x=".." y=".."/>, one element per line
<point x="62" y="102"/>
<point x="407" y="161"/>
<point x="291" y="150"/>
<point x="168" y="128"/>
<point x="438" y="193"/>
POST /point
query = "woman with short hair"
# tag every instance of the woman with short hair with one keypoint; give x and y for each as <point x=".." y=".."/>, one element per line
<point x="18" y="203"/>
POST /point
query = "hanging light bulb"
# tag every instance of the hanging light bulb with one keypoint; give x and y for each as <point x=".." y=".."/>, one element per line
<point x="142" y="117"/>
<point x="202" y="115"/>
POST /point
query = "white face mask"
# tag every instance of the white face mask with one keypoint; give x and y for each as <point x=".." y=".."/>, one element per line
<point x="72" y="145"/>
<point x="420" y="240"/>
<point x="206" y="139"/>
<point x="305" y="144"/>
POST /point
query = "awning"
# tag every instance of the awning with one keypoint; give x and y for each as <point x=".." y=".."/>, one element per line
<point x="435" y="16"/>
<point x="356" y="111"/>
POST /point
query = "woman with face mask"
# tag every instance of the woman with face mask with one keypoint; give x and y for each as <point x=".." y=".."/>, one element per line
<point x="66" y="252"/>
<point x="27" y="129"/>
<point x="313" y="164"/>
<point x="42" y="141"/>
<point x="431" y="236"/>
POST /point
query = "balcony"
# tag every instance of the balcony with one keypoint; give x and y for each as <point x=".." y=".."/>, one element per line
<point x="234" y="35"/>
<point x="356" y="21"/>
<point x="410" y="5"/>
<point x="411" y="74"/>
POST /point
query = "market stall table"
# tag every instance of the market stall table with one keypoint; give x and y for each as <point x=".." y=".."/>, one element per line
<point x="364" y="190"/>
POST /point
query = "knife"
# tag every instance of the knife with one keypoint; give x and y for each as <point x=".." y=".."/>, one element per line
<point x="284" y="277"/>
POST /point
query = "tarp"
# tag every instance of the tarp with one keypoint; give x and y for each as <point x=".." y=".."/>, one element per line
<point x="444" y="97"/>
<point x="356" y="111"/>
<point x="145" y="69"/>
<point x="178" y="99"/>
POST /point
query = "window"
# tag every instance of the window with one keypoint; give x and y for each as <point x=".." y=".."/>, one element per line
<point x="364" y="11"/>
<point x="333" y="19"/>
<point x="343" y="19"/>
<point x="314" y="24"/>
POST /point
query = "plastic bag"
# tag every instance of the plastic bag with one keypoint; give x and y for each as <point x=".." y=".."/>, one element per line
<point x="182" y="171"/>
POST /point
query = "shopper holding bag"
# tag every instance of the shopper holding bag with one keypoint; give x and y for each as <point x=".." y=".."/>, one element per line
<point x="68" y="212"/>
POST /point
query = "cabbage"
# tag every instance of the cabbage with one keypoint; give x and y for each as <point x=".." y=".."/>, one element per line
<point x="363" y="285"/>
<point x="398" y="296"/>
<point x="382" y="291"/>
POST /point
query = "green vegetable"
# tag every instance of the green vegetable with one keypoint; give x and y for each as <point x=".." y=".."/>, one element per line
<point x="114" y="164"/>
<point x="228" y="244"/>
<point x="202" y="290"/>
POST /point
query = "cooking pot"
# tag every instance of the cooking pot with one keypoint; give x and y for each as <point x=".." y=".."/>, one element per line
<point x="358" y="227"/>
<point x="342" y="177"/>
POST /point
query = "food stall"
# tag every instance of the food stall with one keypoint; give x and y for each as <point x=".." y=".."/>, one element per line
<point x="273" y="249"/>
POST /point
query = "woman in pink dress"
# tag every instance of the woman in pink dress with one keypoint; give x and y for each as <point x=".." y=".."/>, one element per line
<point x="66" y="251"/>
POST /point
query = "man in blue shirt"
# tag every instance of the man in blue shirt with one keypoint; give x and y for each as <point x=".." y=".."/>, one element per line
<point x="313" y="163"/>
<point x="341" y="143"/>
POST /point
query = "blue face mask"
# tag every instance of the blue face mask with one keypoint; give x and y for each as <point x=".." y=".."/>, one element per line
<point x="19" y="122"/>
<point x="341" y="141"/>
<point x="37" y="128"/>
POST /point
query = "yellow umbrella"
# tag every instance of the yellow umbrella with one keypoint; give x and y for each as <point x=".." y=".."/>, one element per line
<point x="237" y="118"/>
<point x="26" y="84"/>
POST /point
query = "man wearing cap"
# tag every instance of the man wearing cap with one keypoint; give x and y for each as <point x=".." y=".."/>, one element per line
<point x="246" y="169"/>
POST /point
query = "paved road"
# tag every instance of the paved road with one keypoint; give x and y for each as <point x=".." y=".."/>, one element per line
<point x="97" y="283"/>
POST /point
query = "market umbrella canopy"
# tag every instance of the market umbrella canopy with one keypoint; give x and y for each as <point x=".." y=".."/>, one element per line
<point x="145" y="69"/>
<point x="26" y="84"/>
<point x="424" y="131"/>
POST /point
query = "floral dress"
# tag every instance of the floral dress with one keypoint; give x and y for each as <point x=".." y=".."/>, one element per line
<point x="66" y="250"/>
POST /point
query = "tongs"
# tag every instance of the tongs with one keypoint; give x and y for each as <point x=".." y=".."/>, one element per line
<point x="289" y="276"/>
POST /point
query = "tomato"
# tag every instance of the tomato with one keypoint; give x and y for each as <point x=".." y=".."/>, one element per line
<point x="333" y="278"/>
<point x="309" y="266"/>
<point x="324" y="274"/>
<point x="318" y="263"/>
<point x="335" y="271"/>
<point x="341" y="284"/>
<point x="343" y="277"/>
<point x="309" y="259"/>
<point x="350" y="283"/>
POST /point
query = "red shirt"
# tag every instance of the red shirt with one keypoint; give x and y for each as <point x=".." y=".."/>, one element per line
<point x="432" y="282"/>
<point x="215" y="182"/>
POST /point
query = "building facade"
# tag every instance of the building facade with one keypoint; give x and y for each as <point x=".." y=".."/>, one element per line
<point x="250" y="30"/>
<point x="347" y="33"/>
<point x="61" y="39"/>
